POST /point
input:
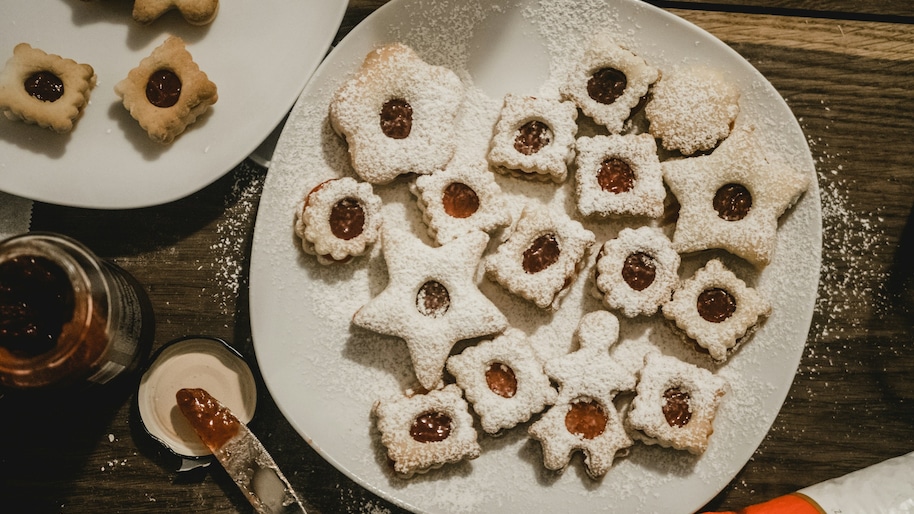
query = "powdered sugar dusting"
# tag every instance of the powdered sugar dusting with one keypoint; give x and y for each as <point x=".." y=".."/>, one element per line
<point x="313" y="358"/>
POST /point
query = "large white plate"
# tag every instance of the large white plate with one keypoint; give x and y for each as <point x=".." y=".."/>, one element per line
<point x="325" y="374"/>
<point x="259" y="54"/>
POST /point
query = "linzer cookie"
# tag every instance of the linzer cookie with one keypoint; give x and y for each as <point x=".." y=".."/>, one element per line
<point x="397" y="114"/>
<point x="195" y="12"/>
<point x="426" y="431"/>
<point x="44" y="89"/>
<point x="584" y="416"/>
<point x="732" y="198"/>
<point x="541" y="257"/>
<point x="503" y="380"/>
<point x="534" y="138"/>
<point x="609" y="83"/>
<point x="340" y="218"/>
<point x="692" y="108"/>
<point x="716" y="309"/>
<point x="619" y="175"/>
<point x="460" y="198"/>
<point x="637" y="272"/>
<point x="167" y="91"/>
<point x="432" y="300"/>
<point x="675" y="404"/>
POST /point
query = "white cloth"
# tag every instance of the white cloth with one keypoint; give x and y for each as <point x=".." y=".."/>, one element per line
<point x="15" y="215"/>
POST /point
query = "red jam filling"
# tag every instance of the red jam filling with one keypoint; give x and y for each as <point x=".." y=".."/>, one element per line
<point x="716" y="305"/>
<point x="586" y="419"/>
<point x="542" y="253"/>
<point x="732" y="202"/>
<point x="44" y="86"/>
<point x="212" y="422"/>
<point x="532" y="137"/>
<point x="433" y="299"/>
<point x="163" y="88"/>
<point x="615" y="176"/>
<point x="676" y="407"/>
<point x="459" y="200"/>
<point x="347" y="219"/>
<point x="606" y="85"/>
<point x="431" y="427"/>
<point x="396" y="118"/>
<point x="639" y="271"/>
<point x="501" y="380"/>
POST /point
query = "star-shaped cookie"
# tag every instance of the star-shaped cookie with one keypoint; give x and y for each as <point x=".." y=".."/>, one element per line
<point x="432" y="300"/>
<point x="584" y="416"/>
<point x="732" y="198"/>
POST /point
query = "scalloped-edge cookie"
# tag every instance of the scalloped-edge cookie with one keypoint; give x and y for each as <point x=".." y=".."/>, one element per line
<point x="534" y="138"/>
<point x="460" y="198"/>
<point x="637" y="271"/>
<point x="609" y="83"/>
<point x="397" y="114"/>
<point x="44" y="89"/>
<point x="541" y="257"/>
<point x="692" y="108"/>
<point x="167" y="91"/>
<point x="732" y="199"/>
<point x="675" y="404"/>
<point x="716" y="309"/>
<point x="584" y="416"/>
<point x="339" y="219"/>
<point x="426" y="431"/>
<point x="195" y="12"/>
<point x="432" y="300"/>
<point x="619" y="176"/>
<point x="503" y="379"/>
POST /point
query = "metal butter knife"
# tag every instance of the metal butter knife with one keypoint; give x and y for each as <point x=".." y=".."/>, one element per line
<point x="240" y="453"/>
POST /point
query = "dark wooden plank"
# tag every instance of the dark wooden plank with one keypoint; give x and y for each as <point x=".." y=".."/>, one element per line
<point x="900" y="11"/>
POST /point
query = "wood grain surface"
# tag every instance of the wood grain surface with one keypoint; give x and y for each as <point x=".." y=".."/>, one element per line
<point x="846" y="77"/>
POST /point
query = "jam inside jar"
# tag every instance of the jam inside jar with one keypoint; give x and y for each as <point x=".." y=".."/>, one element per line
<point x="68" y="317"/>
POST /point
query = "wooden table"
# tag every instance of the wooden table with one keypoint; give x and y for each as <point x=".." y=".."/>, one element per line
<point x="845" y="69"/>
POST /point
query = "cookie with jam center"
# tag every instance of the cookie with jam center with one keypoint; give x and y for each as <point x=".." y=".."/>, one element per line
<point x="636" y="272"/>
<point x="675" y="404"/>
<point x="339" y="219"/>
<point x="44" y="89"/>
<point x="619" y="176"/>
<point x="503" y="379"/>
<point x="609" y="83"/>
<point x="398" y="114"/>
<point x="167" y="91"/>
<point x="716" y="309"/>
<point x="584" y="416"/>
<point x="426" y="431"/>
<point x="542" y="256"/>
<point x="534" y="138"/>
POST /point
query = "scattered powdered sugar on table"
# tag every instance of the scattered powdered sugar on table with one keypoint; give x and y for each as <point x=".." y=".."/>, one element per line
<point x="367" y="366"/>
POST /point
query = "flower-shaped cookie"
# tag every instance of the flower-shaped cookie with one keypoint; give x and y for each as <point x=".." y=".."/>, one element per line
<point x="426" y="431"/>
<point x="44" y="89"/>
<point x="195" y="12"/>
<point x="541" y="257"/>
<point x="716" y="309"/>
<point x="732" y="198"/>
<point x="619" y="175"/>
<point x="637" y="271"/>
<point x="676" y="404"/>
<point x="503" y="380"/>
<point x="432" y="300"/>
<point x="584" y="416"/>
<point x="692" y="108"/>
<point x="534" y="137"/>
<point x="459" y="199"/>
<point x="339" y="219"/>
<point x="167" y="91"/>
<point x="609" y="83"/>
<point x="398" y="115"/>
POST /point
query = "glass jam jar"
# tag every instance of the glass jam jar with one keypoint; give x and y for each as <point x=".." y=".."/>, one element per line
<point x="66" y="317"/>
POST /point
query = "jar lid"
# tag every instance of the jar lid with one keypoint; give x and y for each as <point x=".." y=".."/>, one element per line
<point x="190" y="362"/>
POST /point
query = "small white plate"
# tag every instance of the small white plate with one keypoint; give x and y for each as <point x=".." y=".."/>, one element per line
<point x="325" y="374"/>
<point x="259" y="53"/>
